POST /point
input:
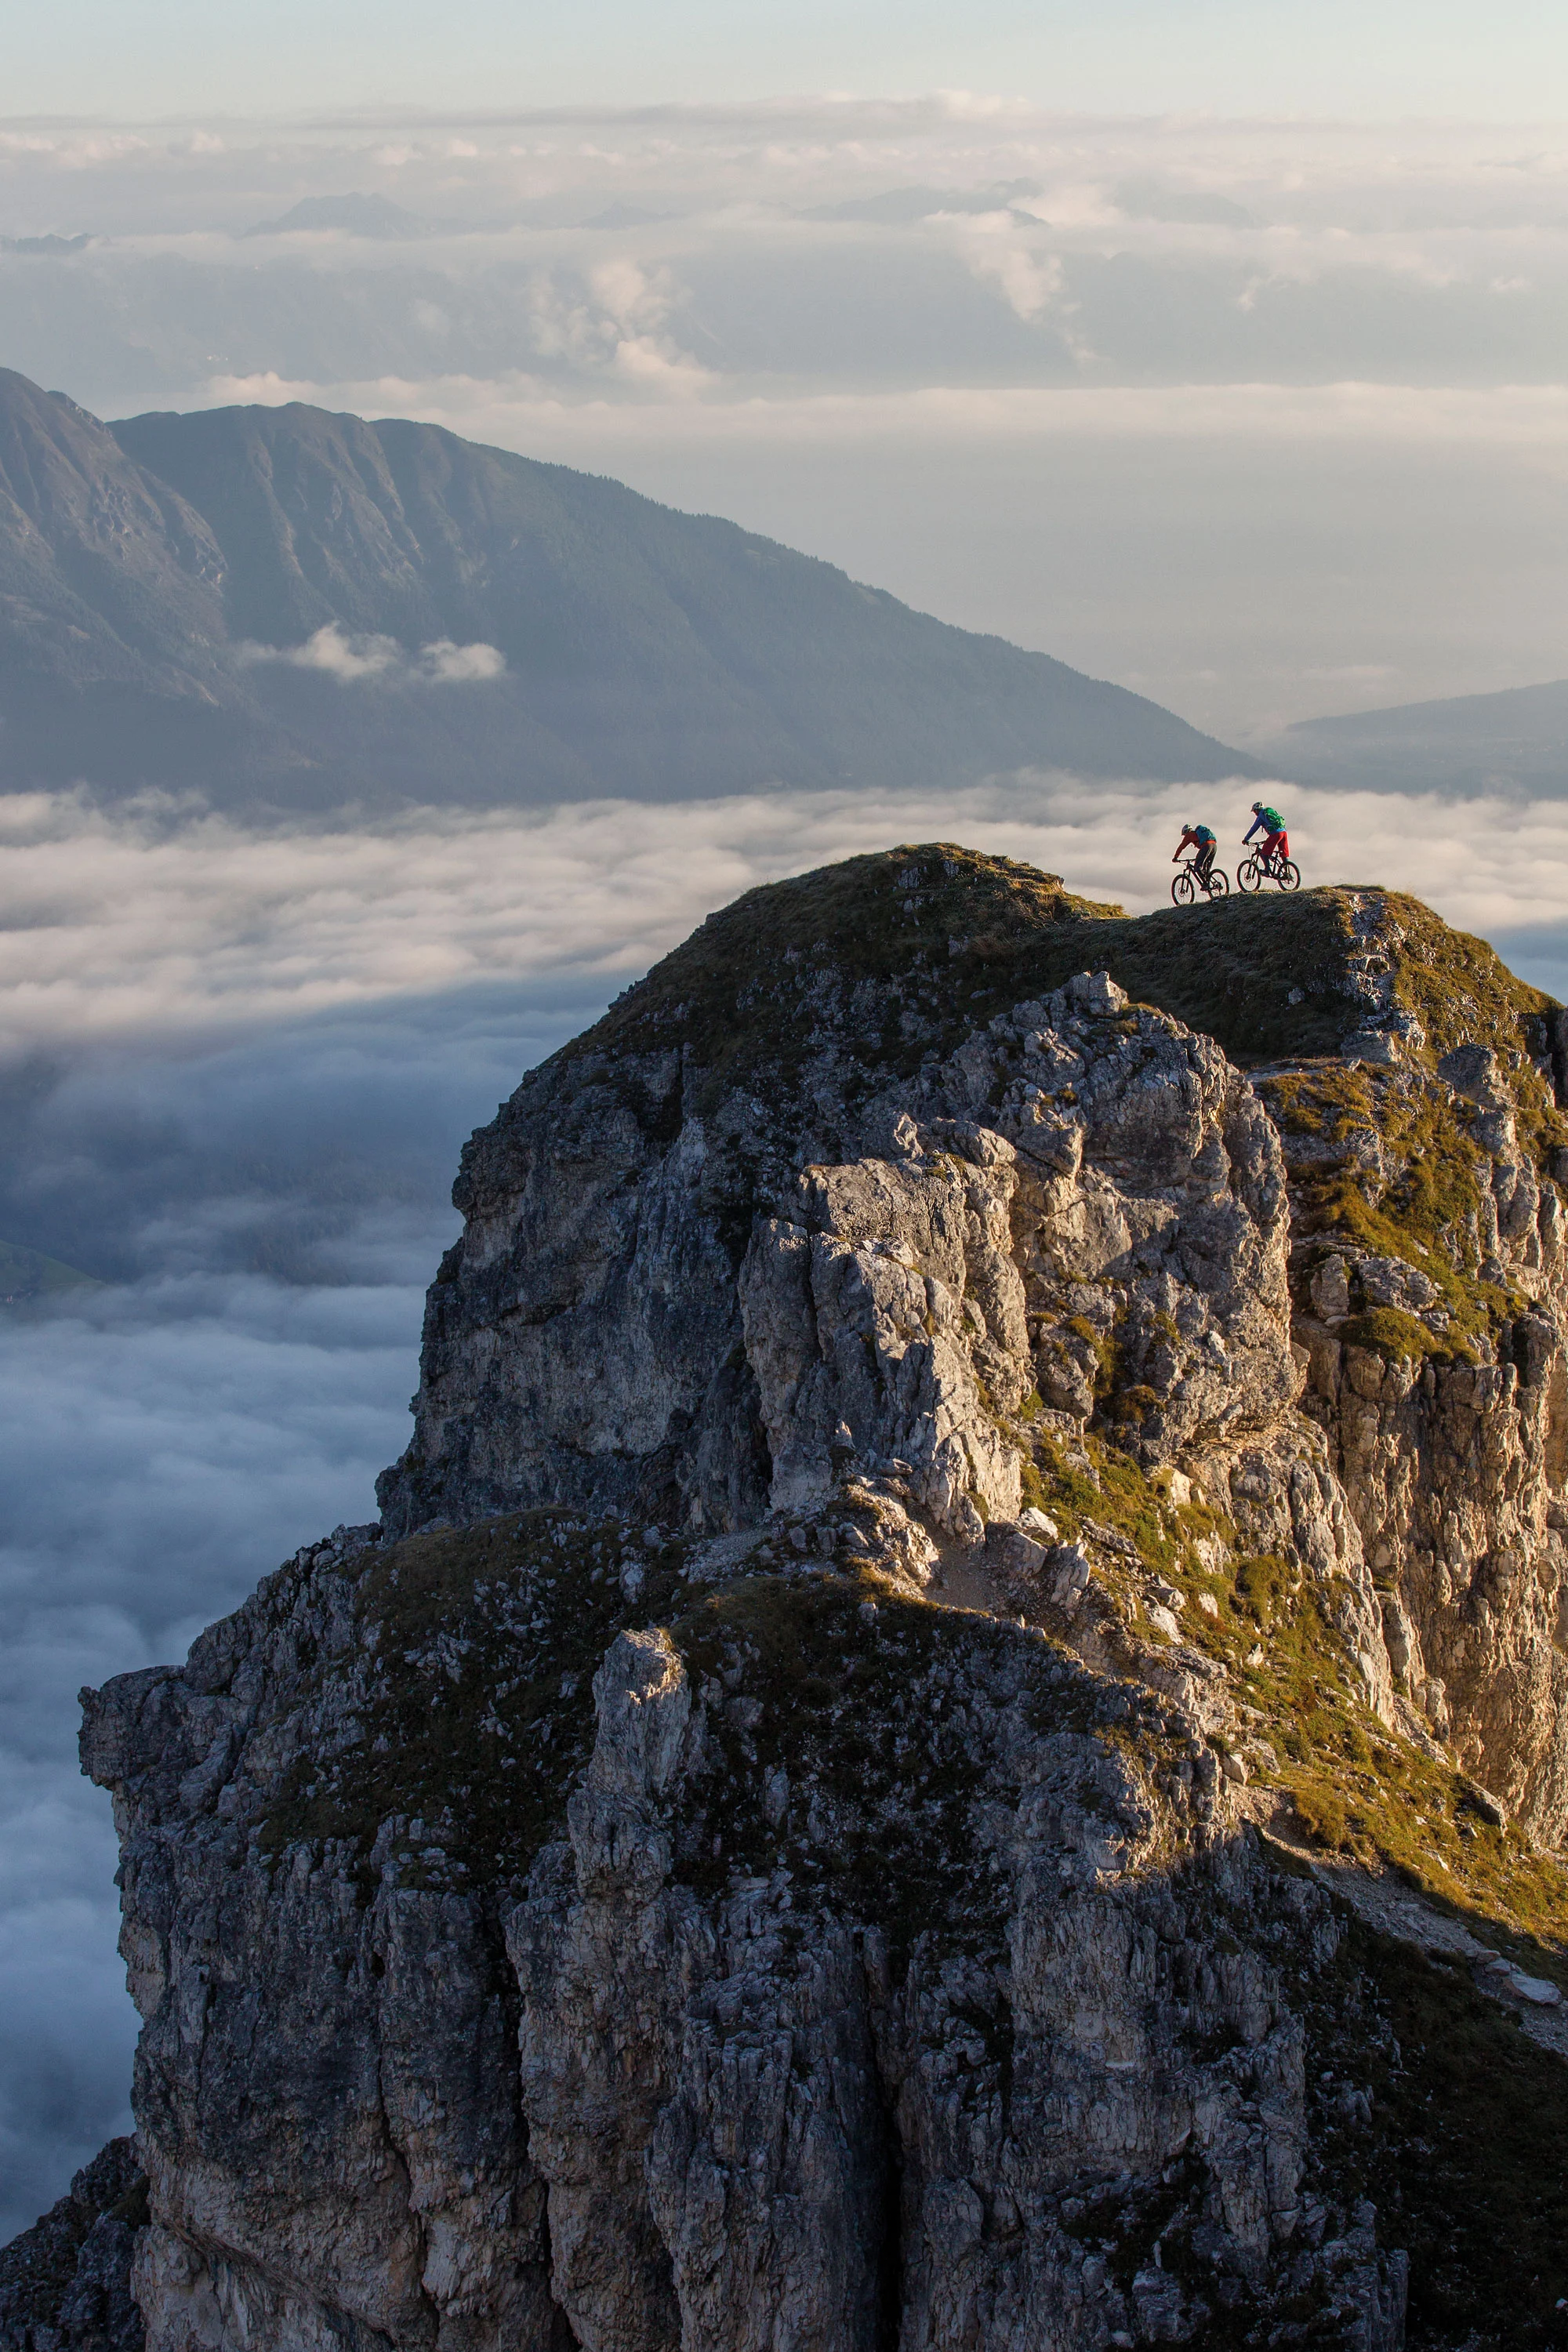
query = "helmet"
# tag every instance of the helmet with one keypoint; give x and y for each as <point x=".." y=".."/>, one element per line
<point x="1257" y="808"/>
<point x="1187" y="825"/>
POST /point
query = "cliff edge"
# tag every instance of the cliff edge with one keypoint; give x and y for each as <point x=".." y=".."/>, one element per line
<point x="953" y="1733"/>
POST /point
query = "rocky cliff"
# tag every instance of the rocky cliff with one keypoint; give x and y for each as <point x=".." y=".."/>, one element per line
<point x="976" y="1582"/>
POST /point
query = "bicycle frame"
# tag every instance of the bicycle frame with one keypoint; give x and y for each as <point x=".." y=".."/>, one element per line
<point x="1278" y="869"/>
<point x="1217" y="885"/>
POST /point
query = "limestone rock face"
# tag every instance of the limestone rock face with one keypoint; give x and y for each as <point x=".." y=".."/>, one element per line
<point x="65" y="2284"/>
<point x="1078" y="1169"/>
<point x="976" y="2020"/>
<point x="1446" y="1470"/>
<point x="804" y="2125"/>
<point x="326" y="2099"/>
<point x="1453" y="1469"/>
<point x="930" y="1489"/>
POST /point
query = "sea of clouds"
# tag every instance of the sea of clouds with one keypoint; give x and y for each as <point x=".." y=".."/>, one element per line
<point x="237" y="1070"/>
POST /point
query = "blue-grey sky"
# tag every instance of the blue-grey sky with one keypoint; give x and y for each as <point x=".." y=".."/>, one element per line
<point x="1338" y="58"/>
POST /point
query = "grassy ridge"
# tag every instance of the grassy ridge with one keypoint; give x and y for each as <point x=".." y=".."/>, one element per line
<point x="1265" y="976"/>
<point x="27" y="1275"/>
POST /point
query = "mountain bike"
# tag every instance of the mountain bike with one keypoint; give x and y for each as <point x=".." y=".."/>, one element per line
<point x="1186" y="885"/>
<point x="1254" y="871"/>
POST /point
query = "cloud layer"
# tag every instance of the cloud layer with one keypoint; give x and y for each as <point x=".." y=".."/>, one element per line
<point x="126" y="926"/>
<point x="358" y="659"/>
<point x="164" y="1447"/>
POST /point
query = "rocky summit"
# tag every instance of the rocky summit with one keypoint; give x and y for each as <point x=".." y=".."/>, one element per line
<point x="955" y="1730"/>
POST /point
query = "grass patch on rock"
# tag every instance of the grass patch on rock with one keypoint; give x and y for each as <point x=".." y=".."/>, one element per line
<point x="1459" y="2144"/>
<point x="850" y="1730"/>
<point x="898" y="951"/>
<point x="1357" y="1788"/>
<point x="1386" y="1162"/>
<point x="474" y="1712"/>
<point x="1094" y="1485"/>
<point x="1389" y="1332"/>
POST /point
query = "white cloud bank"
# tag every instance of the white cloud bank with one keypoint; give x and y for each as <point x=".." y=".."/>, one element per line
<point x="354" y="659"/>
<point x="116" y="926"/>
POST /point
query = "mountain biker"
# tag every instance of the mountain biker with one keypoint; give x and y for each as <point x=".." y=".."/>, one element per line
<point x="1205" y="841"/>
<point x="1271" y="825"/>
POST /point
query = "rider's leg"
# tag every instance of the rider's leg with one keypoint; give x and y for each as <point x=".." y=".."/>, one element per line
<point x="1204" y="861"/>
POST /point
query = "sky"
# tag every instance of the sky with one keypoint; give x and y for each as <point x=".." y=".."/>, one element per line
<point x="1261" y="414"/>
<point x="1214" y="348"/>
<point x="1388" y="57"/>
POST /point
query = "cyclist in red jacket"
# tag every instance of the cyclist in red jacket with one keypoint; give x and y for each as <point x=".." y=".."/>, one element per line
<point x="1271" y="825"/>
<point x="1202" y="838"/>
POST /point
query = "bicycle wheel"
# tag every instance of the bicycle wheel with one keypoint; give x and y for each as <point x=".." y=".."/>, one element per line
<point x="1219" y="883"/>
<point x="1290" y="875"/>
<point x="1182" y="889"/>
<point x="1247" y="876"/>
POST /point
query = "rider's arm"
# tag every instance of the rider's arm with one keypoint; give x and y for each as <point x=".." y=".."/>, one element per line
<point x="1251" y="829"/>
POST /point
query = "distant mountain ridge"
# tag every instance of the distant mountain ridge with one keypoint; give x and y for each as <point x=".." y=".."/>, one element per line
<point x="1510" y="742"/>
<point x="288" y="609"/>
<point x="358" y="215"/>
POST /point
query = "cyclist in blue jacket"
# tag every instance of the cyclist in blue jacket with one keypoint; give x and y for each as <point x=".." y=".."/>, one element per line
<point x="1271" y="825"/>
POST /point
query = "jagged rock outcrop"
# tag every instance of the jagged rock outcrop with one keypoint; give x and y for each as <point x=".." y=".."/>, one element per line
<point x="65" y="2284"/>
<point x="325" y="2092"/>
<point x="1431" y="1302"/>
<point x="653" y="2095"/>
<point x="931" y="1489"/>
<point x="914" y="1256"/>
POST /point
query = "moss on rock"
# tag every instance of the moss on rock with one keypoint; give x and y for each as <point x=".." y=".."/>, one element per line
<point x="476" y="1712"/>
<point x="966" y="933"/>
<point x="849" y="1727"/>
